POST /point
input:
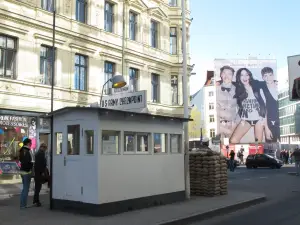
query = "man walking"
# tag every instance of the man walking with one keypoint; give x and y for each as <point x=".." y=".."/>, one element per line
<point x="231" y="161"/>
<point x="41" y="173"/>
<point x="296" y="155"/>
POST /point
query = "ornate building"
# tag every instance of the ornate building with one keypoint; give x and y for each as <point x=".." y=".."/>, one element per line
<point x="90" y="48"/>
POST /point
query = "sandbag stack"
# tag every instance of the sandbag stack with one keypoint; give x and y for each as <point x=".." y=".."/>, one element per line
<point x="208" y="173"/>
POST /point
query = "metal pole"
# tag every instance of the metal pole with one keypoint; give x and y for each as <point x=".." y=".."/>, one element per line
<point x="52" y="98"/>
<point x="102" y="92"/>
<point x="185" y="104"/>
<point x="123" y="37"/>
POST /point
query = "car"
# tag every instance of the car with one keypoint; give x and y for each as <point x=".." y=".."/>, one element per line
<point x="262" y="160"/>
<point x="236" y="163"/>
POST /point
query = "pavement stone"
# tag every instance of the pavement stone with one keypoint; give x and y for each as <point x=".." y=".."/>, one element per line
<point x="196" y="209"/>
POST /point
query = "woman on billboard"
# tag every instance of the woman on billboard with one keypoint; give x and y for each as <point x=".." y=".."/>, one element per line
<point x="251" y="106"/>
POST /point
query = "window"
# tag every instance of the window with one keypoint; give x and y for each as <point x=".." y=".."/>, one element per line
<point x="212" y="133"/>
<point x="211" y="93"/>
<point x="211" y="118"/>
<point x="129" y="139"/>
<point x="81" y="10"/>
<point x="47" y="5"/>
<point x="133" y="79"/>
<point x="109" y="17"/>
<point x="46" y="66"/>
<point x="175" y="143"/>
<point x="8" y="50"/>
<point x="58" y="139"/>
<point x="211" y="106"/>
<point x="160" y="143"/>
<point x="154" y="34"/>
<point x="142" y="142"/>
<point x="109" y="72"/>
<point x="89" y="138"/>
<point x="173" y="40"/>
<point x="155" y="87"/>
<point x="110" y="142"/>
<point x="173" y="3"/>
<point x="174" y="89"/>
<point x="80" y="77"/>
<point x="132" y="25"/>
<point x="73" y="139"/>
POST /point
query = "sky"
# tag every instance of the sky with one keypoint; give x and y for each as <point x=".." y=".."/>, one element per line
<point x="266" y="29"/>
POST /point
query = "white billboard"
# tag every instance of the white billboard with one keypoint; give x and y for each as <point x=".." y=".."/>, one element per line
<point x="247" y="100"/>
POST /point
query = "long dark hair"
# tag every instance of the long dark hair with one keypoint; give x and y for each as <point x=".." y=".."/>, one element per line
<point x="241" y="93"/>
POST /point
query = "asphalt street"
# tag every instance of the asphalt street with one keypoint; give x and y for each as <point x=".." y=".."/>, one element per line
<point x="283" y="198"/>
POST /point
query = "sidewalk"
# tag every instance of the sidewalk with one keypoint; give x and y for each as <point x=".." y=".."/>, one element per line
<point x="10" y="190"/>
<point x="181" y="213"/>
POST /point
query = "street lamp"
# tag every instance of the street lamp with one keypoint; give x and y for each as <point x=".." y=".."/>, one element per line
<point x="117" y="82"/>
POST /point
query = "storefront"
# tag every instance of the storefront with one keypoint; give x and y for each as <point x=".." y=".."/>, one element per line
<point x="15" y="126"/>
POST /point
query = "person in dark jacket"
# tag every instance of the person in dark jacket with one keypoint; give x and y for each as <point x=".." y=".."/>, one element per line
<point x="40" y="173"/>
<point x="25" y="171"/>
<point x="231" y="160"/>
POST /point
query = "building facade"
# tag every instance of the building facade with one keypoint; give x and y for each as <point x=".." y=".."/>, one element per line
<point x="287" y="111"/>
<point x="205" y="102"/>
<point x="90" y="48"/>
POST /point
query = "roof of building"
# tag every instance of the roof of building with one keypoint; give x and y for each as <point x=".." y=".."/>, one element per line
<point x="105" y="110"/>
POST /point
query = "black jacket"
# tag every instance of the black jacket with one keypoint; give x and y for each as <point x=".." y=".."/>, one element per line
<point x="40" y="163"/>
<point x="25" y="159"/>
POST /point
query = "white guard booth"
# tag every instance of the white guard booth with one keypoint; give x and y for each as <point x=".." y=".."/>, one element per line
<point x="108" y="161"/>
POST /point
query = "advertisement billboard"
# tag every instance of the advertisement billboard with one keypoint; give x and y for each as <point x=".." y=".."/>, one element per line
<point x="294" y="77"/>
<point x="247" y="101"/>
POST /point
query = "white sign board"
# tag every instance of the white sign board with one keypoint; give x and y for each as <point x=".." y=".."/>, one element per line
<point x="120" y="90"/>
<point x="125" y="101"/>
<point x="226" y="141"/>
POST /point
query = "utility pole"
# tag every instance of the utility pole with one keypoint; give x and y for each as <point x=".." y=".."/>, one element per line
<point x="185" y="105"/>
<point x="52" y="99"/>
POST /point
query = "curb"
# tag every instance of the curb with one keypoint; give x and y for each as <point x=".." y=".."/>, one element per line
<point x="197" y="217"/>
<point x="31" y="193"/>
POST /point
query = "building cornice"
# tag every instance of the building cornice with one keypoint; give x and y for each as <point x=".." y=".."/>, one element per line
<point x="13" y="28"/>
<point x="46" y="38"/>
<point x="154" y="68"/>
<point x="135" y="62"/>
<point x="82" y="48"/>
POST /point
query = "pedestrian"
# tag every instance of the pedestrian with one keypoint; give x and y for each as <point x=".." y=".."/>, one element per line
<point x="296" y="155"/>
<point x="25" y="159"/>
<point x="41" y="173"/>
<point x="240" y="155"/>
<point x="287" y="156"/>
<point x="231" y="161"/>
<point x="281" y="155"/>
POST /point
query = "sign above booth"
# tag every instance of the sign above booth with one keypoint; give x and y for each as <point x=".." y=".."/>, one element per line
<point x="124" y="89"/>
<point x="125" y="101"/>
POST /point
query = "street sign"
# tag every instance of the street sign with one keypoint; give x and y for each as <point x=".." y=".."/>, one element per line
<point x="125" y="101"/>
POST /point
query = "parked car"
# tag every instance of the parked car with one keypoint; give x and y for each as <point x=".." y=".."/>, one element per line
<point x="236" y="163"/>
<point x="262" y="160"/>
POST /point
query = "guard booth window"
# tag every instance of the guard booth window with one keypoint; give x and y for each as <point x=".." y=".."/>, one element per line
<point x="73" y="139"/>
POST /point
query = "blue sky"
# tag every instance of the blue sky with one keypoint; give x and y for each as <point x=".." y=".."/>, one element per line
<point x="242" y="28"/>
